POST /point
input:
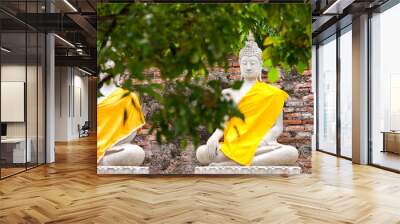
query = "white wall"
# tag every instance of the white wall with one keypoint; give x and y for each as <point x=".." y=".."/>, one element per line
<point x="61" y="103"/>
<point x="80" y="110"/>
<point x="16" y="73"/>
<point x="71" y="102"/>
<point x="13" y="101"/>
<point x="33" y="126"/>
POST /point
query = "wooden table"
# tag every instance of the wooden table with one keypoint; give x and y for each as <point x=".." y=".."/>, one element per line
<point x="391" y="141"/>
<point x="17" y="149"/>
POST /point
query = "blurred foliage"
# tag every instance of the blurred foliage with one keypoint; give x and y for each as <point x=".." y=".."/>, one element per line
<point x="183" y="41"/>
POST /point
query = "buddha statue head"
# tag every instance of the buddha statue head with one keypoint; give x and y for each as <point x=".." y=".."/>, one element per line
<point x="250" y="60"/>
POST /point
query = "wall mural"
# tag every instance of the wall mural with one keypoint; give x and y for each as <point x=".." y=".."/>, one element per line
<point x="182" y="91"/>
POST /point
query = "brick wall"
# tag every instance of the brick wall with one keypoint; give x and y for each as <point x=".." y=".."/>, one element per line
<point x="298" y="115"/>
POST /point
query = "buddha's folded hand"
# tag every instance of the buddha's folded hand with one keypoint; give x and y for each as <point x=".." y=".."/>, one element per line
<point x="212" y="147"/>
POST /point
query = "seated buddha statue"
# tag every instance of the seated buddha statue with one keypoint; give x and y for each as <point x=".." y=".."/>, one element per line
<point x="119" y="116"/>
<point x="252" y="141"/>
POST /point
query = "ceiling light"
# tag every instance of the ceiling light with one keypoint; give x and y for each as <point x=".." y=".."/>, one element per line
<point x="338" y="6"/>
<point x="70" y="5"/>
<point x="79" y="51"/>
<point x="84" y="71"/>
<point x="65" y="41"/>
<point x="5" y="50"/>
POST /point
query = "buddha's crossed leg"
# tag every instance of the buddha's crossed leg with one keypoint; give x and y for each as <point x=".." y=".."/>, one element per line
<point x="123" y="155"/>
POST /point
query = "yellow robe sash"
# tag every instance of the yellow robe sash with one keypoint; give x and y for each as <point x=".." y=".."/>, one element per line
<point x="118" y="115"/>
<point x="261" y="107"/>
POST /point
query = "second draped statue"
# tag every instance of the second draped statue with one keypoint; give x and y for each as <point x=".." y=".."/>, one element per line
<point x="252" y="141"/>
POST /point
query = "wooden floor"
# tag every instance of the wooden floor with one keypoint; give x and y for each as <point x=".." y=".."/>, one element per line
<point x="69" y="191"/>
<point x="386" y="159"/>
<point x="10" y="171"/>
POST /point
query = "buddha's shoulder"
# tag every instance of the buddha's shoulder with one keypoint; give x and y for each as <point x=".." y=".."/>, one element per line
<point x="271" y="89"/>
<point x="269" y="86"/>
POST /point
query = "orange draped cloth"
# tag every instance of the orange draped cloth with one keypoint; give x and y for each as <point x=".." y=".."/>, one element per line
<point x="261" y="107"/>
<point x="118" y="116"/>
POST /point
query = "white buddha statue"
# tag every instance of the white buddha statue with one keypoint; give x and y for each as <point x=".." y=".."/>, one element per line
<point x="114" y="135"/>
<point x="252" y="142"/>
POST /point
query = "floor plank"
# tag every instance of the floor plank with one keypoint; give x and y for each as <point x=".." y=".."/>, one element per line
<point x="69" y="191"/>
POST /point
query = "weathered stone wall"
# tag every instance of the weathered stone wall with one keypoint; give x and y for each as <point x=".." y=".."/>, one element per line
<point x="298" y="122"/>
<point x="298" y="115"/>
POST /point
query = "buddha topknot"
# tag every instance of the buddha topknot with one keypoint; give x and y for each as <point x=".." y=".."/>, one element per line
<point x="250" y="48"/>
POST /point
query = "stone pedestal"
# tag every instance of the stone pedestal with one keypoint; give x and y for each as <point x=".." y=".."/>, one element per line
<point x="252" y="170"/>
<point x="123" y="170"/>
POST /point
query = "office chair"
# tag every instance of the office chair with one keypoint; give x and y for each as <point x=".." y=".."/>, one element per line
<point x="84" y="130"/>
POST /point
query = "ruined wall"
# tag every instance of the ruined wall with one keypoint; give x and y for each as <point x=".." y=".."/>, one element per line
<point x="298" y="122"/>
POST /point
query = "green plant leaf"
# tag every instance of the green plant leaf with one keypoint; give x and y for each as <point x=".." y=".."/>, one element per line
<point x="273" y="75"/>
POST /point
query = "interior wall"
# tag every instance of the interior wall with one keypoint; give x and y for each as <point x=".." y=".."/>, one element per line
<point x="61" y="104"/>
<point x="71" y="102"/>
<point x="80" y="101"/>
<point x="15" y="72"/>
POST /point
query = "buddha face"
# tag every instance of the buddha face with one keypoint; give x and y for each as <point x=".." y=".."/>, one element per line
<point x="250" y="67"/>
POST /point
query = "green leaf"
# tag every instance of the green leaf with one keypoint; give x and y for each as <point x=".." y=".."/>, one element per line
<point x="267" y="63"/>
<point x="301" y="67"/>
<point x="237" y="84"/>
<point x="273" y="75"/>
<point x="268" y="41"/>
